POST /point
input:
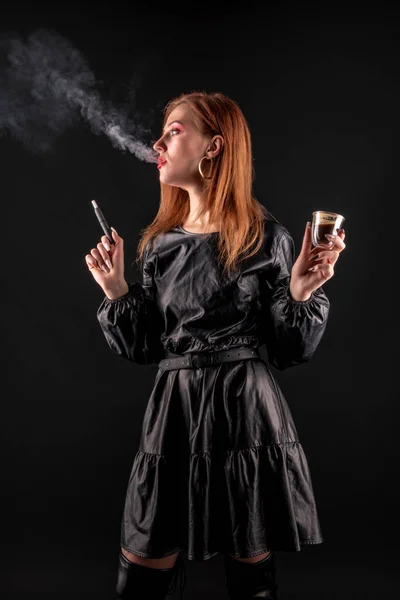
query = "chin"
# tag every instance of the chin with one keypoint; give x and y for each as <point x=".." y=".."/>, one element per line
<point x="172" y="182"/>
<point x="165" y="179"/>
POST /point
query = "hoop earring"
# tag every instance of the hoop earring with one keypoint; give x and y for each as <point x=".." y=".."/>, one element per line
<point x="201" y="172"/>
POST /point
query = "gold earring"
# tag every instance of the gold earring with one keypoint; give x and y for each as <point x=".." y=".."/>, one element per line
<point x="201" y="172"/>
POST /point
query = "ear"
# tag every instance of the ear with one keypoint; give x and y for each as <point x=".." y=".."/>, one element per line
<point x="215" y="146"/>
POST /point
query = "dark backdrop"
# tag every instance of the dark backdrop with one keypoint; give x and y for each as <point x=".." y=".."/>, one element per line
<point x="320" y="90"/>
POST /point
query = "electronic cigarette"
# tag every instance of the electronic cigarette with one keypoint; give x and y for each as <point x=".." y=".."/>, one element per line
<point x="104" y="225"/>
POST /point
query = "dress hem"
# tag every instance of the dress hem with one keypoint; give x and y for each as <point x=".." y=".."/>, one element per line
<point x="212" y="554"/>
<point x="146" y="554"/>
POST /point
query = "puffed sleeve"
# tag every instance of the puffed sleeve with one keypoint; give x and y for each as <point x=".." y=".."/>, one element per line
<point x="131" y="324"/>
<point x="293" y="329"/>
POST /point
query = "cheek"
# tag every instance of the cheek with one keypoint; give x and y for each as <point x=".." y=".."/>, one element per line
<point x="185" y="148"/>
<point x="181" y="157"/>
<point x="184" y="156"/>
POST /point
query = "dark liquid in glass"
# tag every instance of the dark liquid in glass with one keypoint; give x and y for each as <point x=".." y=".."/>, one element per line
<point x="321" y="230"/>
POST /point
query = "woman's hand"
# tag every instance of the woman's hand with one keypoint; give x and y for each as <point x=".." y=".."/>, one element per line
<point x="314" y="266"/>
<point x="106" y="264"/>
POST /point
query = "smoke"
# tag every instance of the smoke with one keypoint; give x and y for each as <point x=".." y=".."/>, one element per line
<point x="46" y="87"/>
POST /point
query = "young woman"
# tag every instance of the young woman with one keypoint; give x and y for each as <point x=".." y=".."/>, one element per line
<point x="220" y="468"/>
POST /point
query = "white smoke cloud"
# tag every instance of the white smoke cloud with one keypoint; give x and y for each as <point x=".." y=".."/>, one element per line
<point x="46" y="86"/>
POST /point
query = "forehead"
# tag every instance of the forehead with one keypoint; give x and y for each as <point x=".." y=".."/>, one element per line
<point x="183" y="113"/>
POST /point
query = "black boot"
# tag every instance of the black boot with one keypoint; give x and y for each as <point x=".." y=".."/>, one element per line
<point x="136" y="582"/>
<point x="251" y="580"/>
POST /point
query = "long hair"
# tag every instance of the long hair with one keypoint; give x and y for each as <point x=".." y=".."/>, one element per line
<point x="228" y="195"/>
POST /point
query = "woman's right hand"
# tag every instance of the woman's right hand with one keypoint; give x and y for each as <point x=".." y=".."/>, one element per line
<point x="110" y="277"/>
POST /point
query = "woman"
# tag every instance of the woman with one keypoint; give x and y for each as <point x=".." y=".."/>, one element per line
<point x="220" y="467"/>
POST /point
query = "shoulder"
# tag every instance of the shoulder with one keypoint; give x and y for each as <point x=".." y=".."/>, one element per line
<point x="160" y="245"/>
<point x="154" y="244"/>
<point x="277" y="246"/>
<point x="274" y="233"/>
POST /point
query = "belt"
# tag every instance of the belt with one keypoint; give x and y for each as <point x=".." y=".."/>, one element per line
<point x="195" y="360"/>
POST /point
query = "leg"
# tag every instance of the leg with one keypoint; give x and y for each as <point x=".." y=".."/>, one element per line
<point x="154" y="563"/>
<point x="252" y="559"/>
<point x="253" y="577"/>
<point x="149" y="578"/>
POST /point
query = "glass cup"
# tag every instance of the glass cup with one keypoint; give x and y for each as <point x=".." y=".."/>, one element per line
<point x="323" y="223"/>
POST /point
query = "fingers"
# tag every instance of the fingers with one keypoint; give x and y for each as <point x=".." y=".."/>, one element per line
<point x="306" y="246"/>
<point x="106" y="243"/>
<point x="330" y="256"/>
<point x="104" y="256"/>
<point x="99" y="257"/>
<point x="322" y="261"/>
<point x="90" y="262"/>
<point x="324" y="269"/>
<point x="337" y="240"/>
<point x="118" y="239"/>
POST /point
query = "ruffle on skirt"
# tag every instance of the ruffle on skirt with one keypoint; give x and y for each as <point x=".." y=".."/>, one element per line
<point x="244" y="500"/>
<point x="258" y="500"/>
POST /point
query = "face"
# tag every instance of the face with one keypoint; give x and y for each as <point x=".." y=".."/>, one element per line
<point x="181" y="147"/>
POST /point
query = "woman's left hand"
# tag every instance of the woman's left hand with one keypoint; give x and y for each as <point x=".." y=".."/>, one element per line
<point x="314" y="265"/>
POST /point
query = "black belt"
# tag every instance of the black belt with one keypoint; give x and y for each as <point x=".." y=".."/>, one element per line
<point x="194" y="360"/>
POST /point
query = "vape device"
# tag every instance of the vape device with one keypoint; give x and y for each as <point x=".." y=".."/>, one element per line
<point x="104" y="225"/>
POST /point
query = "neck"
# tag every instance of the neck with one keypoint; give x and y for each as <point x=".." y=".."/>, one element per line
<point x="195" y="202"/>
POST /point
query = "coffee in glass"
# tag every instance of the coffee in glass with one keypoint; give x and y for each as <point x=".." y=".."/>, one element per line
<point x="325" y="223"/>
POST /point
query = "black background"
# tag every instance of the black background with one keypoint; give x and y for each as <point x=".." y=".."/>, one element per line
<point x="319" y="85"/>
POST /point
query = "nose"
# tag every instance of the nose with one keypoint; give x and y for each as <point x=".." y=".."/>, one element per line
<point x="159" y="145"/>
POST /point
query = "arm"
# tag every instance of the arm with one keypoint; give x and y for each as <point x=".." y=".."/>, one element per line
<point x="293" y="328"/>
<point x="131" y="323"/>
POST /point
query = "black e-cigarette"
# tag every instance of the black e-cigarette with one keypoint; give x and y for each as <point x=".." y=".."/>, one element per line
<point x="104" y="225"/>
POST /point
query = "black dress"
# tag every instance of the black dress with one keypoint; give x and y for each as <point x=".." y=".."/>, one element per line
<point x="220" y="467"/>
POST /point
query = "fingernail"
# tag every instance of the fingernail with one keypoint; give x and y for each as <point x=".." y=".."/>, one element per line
<point x="104" y="269"/>
<point x="114" y="230"/>
<point x="311" y="269"/>
<point x="108" y="263"/>
<point x="106" y="246"/>
<point x="308" y="223"/>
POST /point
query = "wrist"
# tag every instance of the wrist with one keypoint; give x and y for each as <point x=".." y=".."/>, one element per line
<point x="299" y="296"/>
<point x="117" y="291"/>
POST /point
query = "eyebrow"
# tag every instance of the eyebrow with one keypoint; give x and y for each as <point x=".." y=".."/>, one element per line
<point x="169" y="125"/>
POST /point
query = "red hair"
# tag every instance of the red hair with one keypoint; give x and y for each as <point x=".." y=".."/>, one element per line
<point x="228" y="194"/>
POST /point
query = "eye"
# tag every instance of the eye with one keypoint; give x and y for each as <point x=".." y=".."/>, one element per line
<point x="172" y="130"/>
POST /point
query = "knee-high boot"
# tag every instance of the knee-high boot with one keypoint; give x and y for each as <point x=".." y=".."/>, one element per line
<point x="137" y="582"/>
<point x="251" y="580"/>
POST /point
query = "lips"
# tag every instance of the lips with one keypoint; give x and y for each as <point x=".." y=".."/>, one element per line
<point x="161" y="162"/>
